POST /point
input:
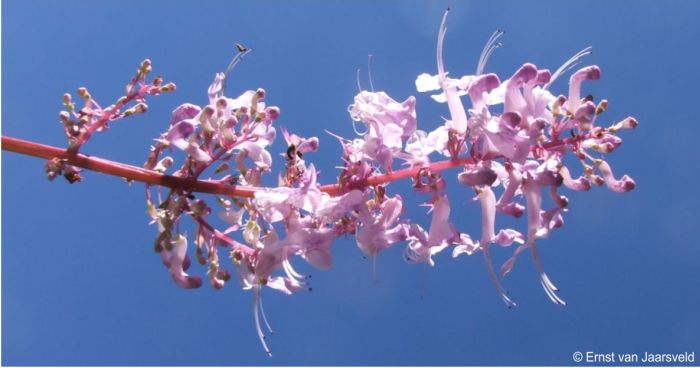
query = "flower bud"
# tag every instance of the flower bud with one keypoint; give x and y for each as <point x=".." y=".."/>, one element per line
<point x="168" y="87"/>
<point x="64" y="116"/>
<point x="83" y="92"/>
<point x="251" y="233"/>
<point x="602" y="106"/>
<point x="272" y="112"/>
<point x="145" y="67"/>
<point x="558" y="103"/>
<point x="121" y="100"/>
<point x="164" y="164"/>
<point x="628" y="123"/>
<point x="140" y="108"/>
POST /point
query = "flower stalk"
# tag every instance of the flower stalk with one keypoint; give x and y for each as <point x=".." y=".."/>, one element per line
<point x="146" y="176"/>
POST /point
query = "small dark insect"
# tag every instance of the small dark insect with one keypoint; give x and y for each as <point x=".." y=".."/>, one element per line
<point x="72" y="177"/>
<point x="241" y="48"/>
<point x="291" y="151"/>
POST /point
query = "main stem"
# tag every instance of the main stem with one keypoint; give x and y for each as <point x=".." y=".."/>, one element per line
<point x="139" y="174"/>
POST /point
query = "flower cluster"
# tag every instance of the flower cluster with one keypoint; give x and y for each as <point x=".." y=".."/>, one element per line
<point x="80" y="124"/>
<point x="510" y="144"/>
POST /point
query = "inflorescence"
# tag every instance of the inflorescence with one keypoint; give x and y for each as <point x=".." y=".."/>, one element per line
<point x="509" y="158"/>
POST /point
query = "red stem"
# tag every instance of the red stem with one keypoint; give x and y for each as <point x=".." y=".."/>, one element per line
<point x="203" y="186"/>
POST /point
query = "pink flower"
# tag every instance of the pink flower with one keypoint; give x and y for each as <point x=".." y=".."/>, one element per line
<point x="505" y="237"/>
<point x="178" y="262"/>
<point x="380" y="227"/>
<point x="388" y="124"/>
<point x="533" y="197"/>
<point x="179" y="136"/>
<point x="421" y="245"/>
<point x="624" y="184"/>
<point x="301" y="145"/>
<point x="380" y="112"/>
<point x="276" y="204"/>
<point x="184" y="112"/>
<point x="314" y="245"/>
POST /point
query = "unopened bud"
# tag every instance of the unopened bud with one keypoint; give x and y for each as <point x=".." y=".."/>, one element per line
<point x="602" y="106"/>
<point x="67" y="99"/>
<point x="272" y="112"/>
<point x="557" y="104"/>
<point x="145" y="67"/>
<point x="140" y="108"/>
<point x="207" y="113"/>
<point x="74" y="130"/>
<point x="260" y="93"/>
<point x="157" y="81"/>
<point x="221" y="103"/>
<point x="251" y="233"/>
<point x="64" y="116"/>
<point x="83" y="92"/>
<point x="628" y="123"/>
<point x="164" y="164"/>
<point x="168" y="87"/>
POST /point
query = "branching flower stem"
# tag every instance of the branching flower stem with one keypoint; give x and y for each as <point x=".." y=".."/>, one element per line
<point x="135" y="173"/>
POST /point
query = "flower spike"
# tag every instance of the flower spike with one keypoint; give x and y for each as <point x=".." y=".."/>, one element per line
<point x="509" y="144"/>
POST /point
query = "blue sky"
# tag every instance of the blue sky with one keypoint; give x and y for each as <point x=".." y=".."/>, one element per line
<point x="80" y="281"/>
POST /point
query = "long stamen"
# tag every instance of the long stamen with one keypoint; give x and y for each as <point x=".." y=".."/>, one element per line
<point x="489" y="48"/>
<point x="548" y="286"/>
<point x="572" y="62"/>
<point x="369" y="71"/>
<point x="242" y="51"/>
<point x="457" y="112"/>
<point x="354" y="127"/>
<point x="494" y="278"/>
<point x="374" y="269"/>
<point x="264" y="316"/>
<point x="533" y="197"/>
<point x="256" y="316"/>
<point x="488" y="214"/>
<point x="441" y="39"/>
<point x="359" y="90"/>
<point x="422" y="281"/>
<point x="290" y="271"/>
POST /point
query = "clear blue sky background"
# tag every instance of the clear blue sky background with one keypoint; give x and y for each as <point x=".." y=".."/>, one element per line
<point x="80" y="281"/>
